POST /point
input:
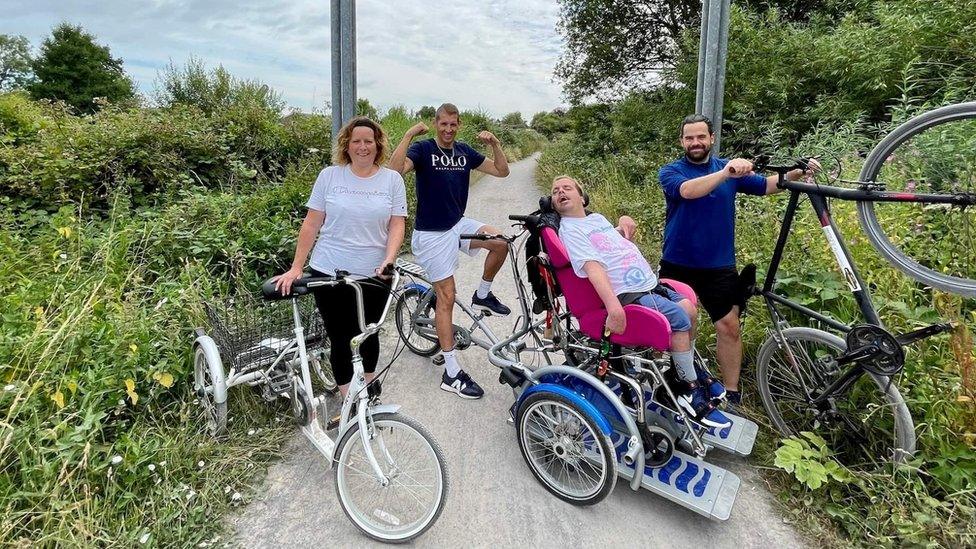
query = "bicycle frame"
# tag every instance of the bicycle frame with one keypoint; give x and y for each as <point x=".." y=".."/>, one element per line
<point x="357" y="387"/>
<point x="818" y="195"/>
<point x="477" y="319"/>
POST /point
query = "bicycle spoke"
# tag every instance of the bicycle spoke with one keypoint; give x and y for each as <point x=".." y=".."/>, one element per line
<point x="858" y="424"/>
<point x="937" y="160"/>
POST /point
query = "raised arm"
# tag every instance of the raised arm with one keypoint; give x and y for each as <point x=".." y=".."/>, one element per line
<point x="399" y="160"/>
<point x="701" y="186"/>
<point x="597" y="274"/>
<point x="497" y="165"/>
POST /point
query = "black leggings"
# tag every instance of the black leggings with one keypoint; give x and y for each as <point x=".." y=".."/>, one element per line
<point x="337" y="304"/>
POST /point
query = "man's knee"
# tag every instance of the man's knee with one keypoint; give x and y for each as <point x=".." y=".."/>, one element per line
<point x="445" y="291"/>
<point x="498" y="246"/>
<point x="728" y="326"/>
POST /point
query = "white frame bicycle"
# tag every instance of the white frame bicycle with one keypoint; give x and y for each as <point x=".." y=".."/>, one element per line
<point x="375" y="460"/>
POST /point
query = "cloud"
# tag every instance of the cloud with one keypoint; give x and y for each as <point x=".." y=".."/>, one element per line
<point x="497" y="56"/>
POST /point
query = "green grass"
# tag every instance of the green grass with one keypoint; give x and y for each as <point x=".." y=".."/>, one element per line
<point x="101" y="443"/>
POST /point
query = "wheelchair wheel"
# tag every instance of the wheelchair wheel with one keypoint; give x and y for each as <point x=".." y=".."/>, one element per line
<point x="408" y="302"/>
<point x="565" y="449"/>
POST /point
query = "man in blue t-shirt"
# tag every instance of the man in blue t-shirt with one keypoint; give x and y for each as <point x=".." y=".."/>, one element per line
<point x="699" y="234"/>
<point x="443" y="167"/>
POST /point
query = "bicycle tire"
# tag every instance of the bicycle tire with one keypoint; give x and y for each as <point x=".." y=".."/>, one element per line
<point x="214" y="413"/>
<point x="418" y="344"/>
<point x="366" y="522"/>
<point x="903" y="428"/>
<point x="566" y="460"/>
<point x="867" y="211"/>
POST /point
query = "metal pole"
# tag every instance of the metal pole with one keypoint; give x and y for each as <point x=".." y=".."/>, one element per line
<point x="702" y="45"/>
<point x="336" y="71"/>
<point x="347" y="12"/>
<point x="713" y="50"/>
<point x="723" y="52"/>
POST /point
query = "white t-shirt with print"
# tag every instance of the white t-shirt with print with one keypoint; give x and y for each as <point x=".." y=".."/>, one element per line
<point x="593" y="238"/>
<point x="357" y="218"/>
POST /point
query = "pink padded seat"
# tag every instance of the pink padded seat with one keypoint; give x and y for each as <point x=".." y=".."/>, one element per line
<point x="645" y="327"/>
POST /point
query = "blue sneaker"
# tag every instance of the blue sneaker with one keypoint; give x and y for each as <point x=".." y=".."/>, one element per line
<point x="489" y="304"/>
<point x="462" y="385"/>
<point x="714" y="387"/>
<point x="697" y="403"/>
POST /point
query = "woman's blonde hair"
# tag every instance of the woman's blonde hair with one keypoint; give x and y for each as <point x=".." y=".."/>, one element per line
<point x="340" y="154"/>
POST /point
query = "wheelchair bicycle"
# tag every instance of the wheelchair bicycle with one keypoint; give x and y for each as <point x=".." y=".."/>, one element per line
<point x="612" y="410"/>
<point x="608" y="408"/>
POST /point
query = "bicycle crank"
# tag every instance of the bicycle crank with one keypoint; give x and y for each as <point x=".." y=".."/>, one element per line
<point x="875" y="349"/>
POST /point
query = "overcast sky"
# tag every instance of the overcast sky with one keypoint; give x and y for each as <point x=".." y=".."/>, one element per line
<point x="496" y="55"/>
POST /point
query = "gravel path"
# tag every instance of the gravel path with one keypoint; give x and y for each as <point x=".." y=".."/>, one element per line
<point x="494" y="499"/>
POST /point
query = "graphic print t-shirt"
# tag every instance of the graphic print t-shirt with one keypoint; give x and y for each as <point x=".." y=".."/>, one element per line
<point x="593" y="238"/>
<point x="443" y="176"/>
<point x="357" y="218"/>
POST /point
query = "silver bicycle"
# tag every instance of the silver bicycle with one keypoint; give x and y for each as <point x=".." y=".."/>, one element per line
<point x="391" y="478"/>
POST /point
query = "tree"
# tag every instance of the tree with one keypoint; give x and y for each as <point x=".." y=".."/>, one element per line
<point x="213" y="90"/>
<point x="426" y="112"/>
<point x="514" y="120"/>
<point x="73" y="68"/>
<point x="616" y="46"/>
<point x="550" y="124"/>
<point x="365" y="108"/>
<point x="15" y="62"/>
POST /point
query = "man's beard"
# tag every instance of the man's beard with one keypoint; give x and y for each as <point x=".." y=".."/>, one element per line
<point x="698" y="155"/>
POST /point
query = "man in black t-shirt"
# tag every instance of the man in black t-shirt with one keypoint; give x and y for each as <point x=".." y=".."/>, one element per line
<point x="443" y="166"/>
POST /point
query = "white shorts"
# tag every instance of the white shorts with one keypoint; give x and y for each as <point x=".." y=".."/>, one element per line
<point x="437" y="251"/>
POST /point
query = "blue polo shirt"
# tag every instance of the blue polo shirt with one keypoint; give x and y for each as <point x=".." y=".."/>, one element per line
<point x="443" y="176"/>
<point x="700" y="232"/>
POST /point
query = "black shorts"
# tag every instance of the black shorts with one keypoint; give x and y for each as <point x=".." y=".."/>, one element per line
<point x="718" y="289"/>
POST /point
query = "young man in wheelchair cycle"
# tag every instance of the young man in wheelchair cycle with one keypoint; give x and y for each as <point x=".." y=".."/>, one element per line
<point x="622" y="276"/>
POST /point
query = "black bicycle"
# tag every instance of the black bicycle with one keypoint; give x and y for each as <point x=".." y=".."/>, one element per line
<point x="914" y="198"/>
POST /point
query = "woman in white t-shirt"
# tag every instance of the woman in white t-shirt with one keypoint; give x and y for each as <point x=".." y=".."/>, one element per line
<point x="356" y="219"/>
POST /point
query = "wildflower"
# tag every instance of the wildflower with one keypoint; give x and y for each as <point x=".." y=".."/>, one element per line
<point x="236" y="496"/>
<point x="250" y="432"/>
<point x="144" y="538"/>
<point x="116" y="460"/>
<point x="190" y="495"/>
<point x="9" y="387"/>
<point x="200" y="464"/>
<point x="152" y="467"/>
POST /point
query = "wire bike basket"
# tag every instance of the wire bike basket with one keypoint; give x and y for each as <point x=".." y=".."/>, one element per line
<point x="251" y="332"/>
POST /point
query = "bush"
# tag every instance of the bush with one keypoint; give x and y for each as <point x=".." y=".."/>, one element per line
<point x="114" y="228"/>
